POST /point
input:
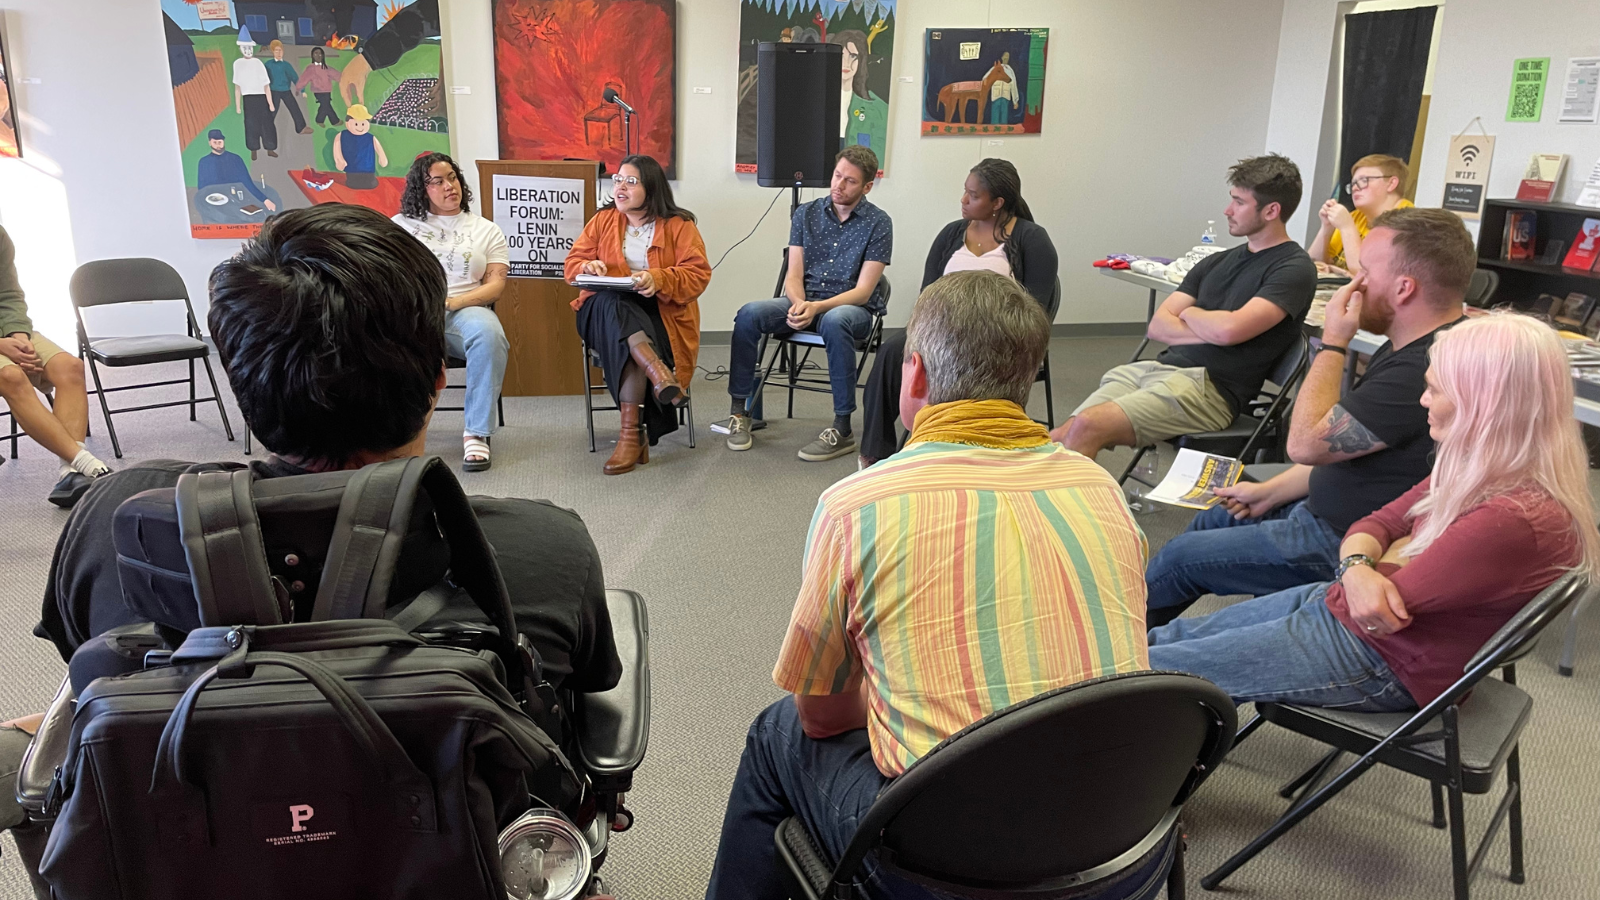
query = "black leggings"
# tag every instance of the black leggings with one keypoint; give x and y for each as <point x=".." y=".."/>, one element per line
<point x="880" y="400"/>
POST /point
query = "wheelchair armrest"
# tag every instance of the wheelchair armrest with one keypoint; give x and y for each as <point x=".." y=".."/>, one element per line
<point x="47" y="751"/>
<point x="613" y="727"/>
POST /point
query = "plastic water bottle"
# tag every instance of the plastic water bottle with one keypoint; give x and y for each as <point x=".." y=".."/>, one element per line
<point x="1146" y="469"/>
<point x="1209" y="236"/>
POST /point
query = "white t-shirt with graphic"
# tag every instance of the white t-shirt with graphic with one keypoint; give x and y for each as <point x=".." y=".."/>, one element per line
<point x="466" y="245"/>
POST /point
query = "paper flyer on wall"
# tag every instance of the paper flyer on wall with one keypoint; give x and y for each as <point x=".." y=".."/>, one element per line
<point x="1194" y="477"/>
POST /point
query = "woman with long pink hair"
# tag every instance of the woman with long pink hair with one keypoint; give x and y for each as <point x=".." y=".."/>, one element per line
<point x="1427" y="579"/>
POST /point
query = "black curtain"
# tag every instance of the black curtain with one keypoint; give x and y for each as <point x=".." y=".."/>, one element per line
<point x="1385" y="62"/>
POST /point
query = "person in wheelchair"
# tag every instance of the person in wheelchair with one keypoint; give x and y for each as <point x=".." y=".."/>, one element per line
<point x="331" y="325"/>
<point x="648" y="337"/>
<point x="1426" y="580"/>
<point x="979" y="567"/>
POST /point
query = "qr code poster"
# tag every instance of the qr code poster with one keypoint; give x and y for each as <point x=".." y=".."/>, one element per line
<point x="1528" y="78"/>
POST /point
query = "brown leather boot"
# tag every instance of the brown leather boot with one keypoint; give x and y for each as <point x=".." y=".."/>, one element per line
<point x="660" y="374"/>
<point x="633" y="448"/>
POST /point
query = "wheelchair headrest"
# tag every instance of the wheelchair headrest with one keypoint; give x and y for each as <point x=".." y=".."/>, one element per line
<point x="297" y="514"/>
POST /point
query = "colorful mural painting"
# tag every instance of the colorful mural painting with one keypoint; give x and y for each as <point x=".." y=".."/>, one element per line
<point x="285" y="104"/>
<point x="983" y="80"/>
<point x="866" y="28"/>
<point x="10" y="142"/>
<point x="554" y="60"/>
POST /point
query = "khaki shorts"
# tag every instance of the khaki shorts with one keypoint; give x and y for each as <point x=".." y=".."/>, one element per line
<point x="46" y="349"/>
<point x="1162" y="401"/>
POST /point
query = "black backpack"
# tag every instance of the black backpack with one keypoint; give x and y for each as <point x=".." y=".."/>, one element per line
<point x="343" y="757"/>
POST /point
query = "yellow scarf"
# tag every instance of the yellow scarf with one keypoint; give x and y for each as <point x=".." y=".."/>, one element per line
<point x="1000" y="424"/>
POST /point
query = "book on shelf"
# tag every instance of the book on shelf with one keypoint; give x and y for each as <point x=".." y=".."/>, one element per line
<point x="1575" y="311"/>
<point x="1540" y="179"/>
<point x="1546" y="305"/>
<point x="1585" y="246"/>
<point x="1517" y="241"/>
<point x="1590" y="194"/>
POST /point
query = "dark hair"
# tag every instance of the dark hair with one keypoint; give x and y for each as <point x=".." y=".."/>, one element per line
<point x="858" y="84"/>
<point x="315" y="52"/>
<point x="1272" y="179"/>
<point x="657" y="192"/>
<point x="999" y="177"/>
<point x="862" y="158"/>
<point x="330" y="326"/>
<point x="1432" y="246"/>
<point x="414" y="202"/>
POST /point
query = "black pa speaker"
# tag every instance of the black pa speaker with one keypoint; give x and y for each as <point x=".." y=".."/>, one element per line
<point x="797" y="113"/>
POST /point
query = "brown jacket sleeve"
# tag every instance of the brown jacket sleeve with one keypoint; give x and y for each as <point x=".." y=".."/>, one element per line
<point x="686" y="278"/>
<point x="585" y="248"/>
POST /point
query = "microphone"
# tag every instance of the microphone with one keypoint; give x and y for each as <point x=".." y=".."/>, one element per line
<point x="612" y="96"/>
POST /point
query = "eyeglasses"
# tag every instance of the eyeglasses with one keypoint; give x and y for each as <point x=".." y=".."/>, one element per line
<point x="1357" y="184"/>
<point x="624" y="179"/>
<point x="432" y="181"/>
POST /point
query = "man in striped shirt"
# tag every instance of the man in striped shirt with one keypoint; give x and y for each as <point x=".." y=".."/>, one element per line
<point x="980" y="566"/>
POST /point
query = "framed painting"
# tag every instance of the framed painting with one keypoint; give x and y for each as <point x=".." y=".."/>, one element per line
<point x="10" y="135"/>
<point x="557" y="61"/>
<point x="282" y="104"/>
<point x="866" y="28"/>
<point x="983" y="80"/>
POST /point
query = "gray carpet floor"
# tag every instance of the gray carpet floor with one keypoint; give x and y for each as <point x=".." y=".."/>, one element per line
<point x="714" y="540"/>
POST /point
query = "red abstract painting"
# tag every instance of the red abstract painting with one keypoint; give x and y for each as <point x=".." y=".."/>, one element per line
<point x="554" y="60"/>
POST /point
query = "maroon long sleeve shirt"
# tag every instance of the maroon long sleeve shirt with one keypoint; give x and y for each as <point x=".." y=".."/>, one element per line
<point x="1459" y="591"/>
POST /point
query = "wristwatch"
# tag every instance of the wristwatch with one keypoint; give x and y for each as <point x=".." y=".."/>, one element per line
<point x="1354" y="559"/>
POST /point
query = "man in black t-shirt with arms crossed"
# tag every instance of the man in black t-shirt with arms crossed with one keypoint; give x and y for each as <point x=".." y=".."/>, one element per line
<point x="1355" y="453"/>
<point x="1225" y="326"/>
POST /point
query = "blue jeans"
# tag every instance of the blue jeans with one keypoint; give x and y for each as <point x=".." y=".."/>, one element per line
<point x="1286" y="647"/>
<point x="1221" y="555"/>
<point x="828" y="785"/>
<point x="474" y="334"/>
<point x="843" y="329"/>
<point x="1000" y="111"/>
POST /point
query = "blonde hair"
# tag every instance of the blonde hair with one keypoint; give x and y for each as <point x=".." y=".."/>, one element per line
<point x="1512" y="430"/>
<point x="1390" y="166"/>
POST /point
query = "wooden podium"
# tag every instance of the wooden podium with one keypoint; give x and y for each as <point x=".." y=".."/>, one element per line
<point x="546" y="353"/>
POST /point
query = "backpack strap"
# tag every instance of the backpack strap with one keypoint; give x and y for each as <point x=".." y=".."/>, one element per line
<point x="222" y="542"/>
<point x="374" y="515"/>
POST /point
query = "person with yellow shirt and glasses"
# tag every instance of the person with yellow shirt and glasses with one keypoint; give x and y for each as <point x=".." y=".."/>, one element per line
<point x="981" y="566"/>
<point x="1376" y="182"/>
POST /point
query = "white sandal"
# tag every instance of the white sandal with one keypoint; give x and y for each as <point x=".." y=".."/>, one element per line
<point x="474" y="453"/>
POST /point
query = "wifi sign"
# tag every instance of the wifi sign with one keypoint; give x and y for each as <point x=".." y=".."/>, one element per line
<point x="1469" y="152"/>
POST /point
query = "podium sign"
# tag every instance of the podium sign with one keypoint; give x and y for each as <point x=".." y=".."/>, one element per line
<point x="541" y="218"/>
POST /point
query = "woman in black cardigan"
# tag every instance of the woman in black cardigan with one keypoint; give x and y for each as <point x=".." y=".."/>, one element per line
<point x="996" y="232"/>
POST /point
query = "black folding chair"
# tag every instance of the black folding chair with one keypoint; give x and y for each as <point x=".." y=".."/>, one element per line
<point x="1077" y="787"/>
<point x="591" y="362"/>
<point x="107" y="282"/>
<point x="1051" y="307"/>
<point x="1264" y="420"/>
<point x="1472" y="732"/>
<point x="794" y="362"/>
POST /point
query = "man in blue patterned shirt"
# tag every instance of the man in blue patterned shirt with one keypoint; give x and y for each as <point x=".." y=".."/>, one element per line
<point x="838" y="247"/>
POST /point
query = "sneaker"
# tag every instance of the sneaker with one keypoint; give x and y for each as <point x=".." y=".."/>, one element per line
<point x="70" y="489"/>
<point x="830" y="444"/>
<point x="725" y="426"/>
<point x="739" y="433"/>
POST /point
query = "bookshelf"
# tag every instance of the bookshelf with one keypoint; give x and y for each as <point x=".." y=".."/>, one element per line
<point x="1523" y="280"/>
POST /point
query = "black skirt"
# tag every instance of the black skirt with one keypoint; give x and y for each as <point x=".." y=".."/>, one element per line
<point x="605" y="322"/>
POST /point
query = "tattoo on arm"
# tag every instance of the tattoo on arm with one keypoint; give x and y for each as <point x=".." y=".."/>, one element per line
<point x="1348" y="437"/>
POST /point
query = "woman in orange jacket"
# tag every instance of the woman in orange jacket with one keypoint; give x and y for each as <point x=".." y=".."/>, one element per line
<point x="649" y="335"/>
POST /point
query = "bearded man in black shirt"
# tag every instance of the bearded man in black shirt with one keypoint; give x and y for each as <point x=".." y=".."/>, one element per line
<point x="1355" y="453"/>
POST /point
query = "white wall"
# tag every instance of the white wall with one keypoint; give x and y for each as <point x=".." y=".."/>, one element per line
<point x="1472" y="77"/>
<point x="1146" y="104"/>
